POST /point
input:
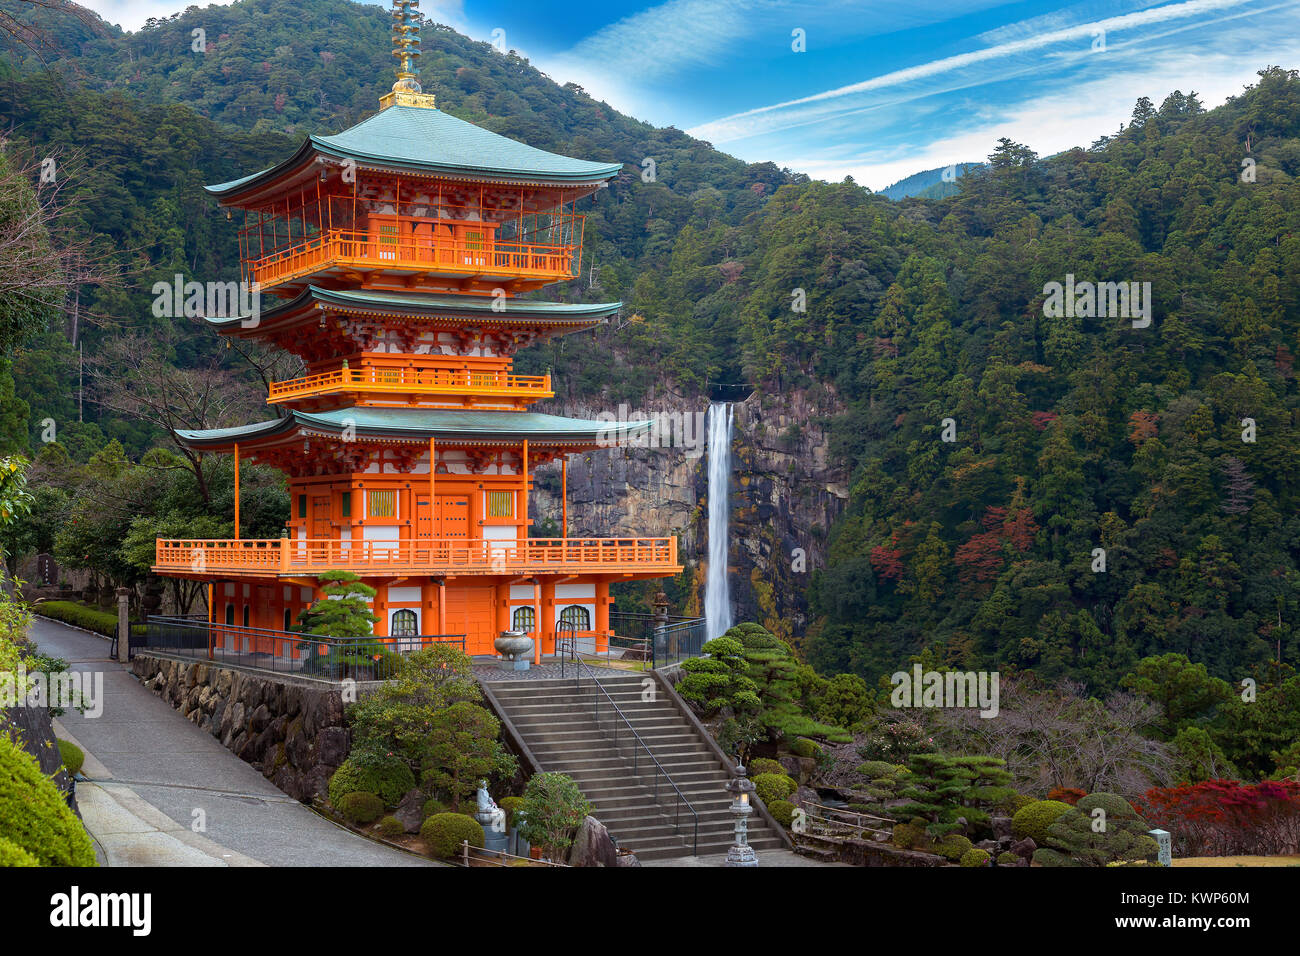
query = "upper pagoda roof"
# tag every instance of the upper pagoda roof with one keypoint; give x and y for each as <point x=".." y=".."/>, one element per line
<point x="483" y="427"/>
<point x="482" y="309"/>
<point x="418" y="139"/>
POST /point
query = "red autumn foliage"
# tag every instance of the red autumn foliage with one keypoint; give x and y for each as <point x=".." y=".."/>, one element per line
<point x="1227" y="817"/>
<point x="982" y="557"/>
<point x="1070" y="795"/>
<point x="1042" y="419"/>
<point x="887" y="562"/>
<point x="1142" y="425"/>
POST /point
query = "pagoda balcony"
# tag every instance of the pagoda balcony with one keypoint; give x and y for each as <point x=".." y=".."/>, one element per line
<point x="523" y="265"/>
<point x="415" y="383"/>
<point x="289" y="557"/>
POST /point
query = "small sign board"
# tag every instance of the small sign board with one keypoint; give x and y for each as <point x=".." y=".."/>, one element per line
<point x="1166" y="843"/>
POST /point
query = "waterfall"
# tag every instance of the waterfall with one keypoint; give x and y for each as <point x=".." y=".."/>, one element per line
<point x="717" y="600"/>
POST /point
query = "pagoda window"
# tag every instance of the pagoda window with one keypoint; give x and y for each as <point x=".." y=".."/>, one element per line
<point x="345" y="505"/>
<point x="525" y="619"/>
<point x="230" y="614"/>
<point x="245" y="615"/>
<point x="381" y="504"/>
<point x="288" y="619"/>
<point x="387" y="233"/>
<point x="405" y="623"/>
<point x="575" y="617"/>
<point x="302" y="506"/>
<point x="501" y="504"/>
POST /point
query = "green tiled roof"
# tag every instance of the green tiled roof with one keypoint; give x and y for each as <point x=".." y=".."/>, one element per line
<point x="476" y="307"/>
<point x="429" y="140"/>
<point x="427" y="423"/>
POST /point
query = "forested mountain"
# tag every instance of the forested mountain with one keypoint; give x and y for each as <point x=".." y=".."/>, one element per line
<point x="1069" y="434"/>
<point x="937" y="183"/>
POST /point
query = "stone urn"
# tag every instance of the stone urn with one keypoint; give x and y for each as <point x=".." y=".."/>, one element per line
<point x="515" y="646"/>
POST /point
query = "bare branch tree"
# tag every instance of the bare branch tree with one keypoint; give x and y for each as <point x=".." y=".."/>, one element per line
<point x="132" y="375"/>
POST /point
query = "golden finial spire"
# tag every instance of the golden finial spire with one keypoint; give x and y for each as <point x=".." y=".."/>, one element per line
<point x="406" y="47"/>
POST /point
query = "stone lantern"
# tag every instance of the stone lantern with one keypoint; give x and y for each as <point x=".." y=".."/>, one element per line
<point x="741" y="787"/>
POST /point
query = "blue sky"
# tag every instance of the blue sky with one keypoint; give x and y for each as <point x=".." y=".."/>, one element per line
<point x="884" y="88"/>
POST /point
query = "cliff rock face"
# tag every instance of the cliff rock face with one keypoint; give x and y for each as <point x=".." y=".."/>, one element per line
<point x="784" y="497"/>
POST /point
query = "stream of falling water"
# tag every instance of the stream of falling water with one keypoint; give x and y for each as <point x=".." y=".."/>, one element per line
<point x="717" y="600"/>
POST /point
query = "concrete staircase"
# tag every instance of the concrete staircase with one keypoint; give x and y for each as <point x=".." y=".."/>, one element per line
<point x="554" y="719"/>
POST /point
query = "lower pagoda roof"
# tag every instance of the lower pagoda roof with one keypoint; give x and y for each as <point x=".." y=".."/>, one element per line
<point x="455" y="309"/>
<point x="418" y="425"/>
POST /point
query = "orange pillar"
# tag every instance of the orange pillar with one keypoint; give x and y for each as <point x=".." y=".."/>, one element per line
<point x="442" y="606"/>
<point x="602" y="614"/>
<point x="236" y="491"/>
<point x="537" y="620"/>
<point x="524" y="508"/>
<point x="432" y="465"/>
<point x="564" y="497"/>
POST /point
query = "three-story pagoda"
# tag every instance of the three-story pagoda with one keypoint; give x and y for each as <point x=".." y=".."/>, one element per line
<point x="401" y="246"/>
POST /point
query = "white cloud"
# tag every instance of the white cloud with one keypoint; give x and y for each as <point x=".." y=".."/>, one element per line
<point x="1047" y="124"/>
<point x="778" y="116"/>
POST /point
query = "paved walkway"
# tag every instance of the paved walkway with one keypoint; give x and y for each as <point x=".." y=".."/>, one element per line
<point x="154" y="775"/>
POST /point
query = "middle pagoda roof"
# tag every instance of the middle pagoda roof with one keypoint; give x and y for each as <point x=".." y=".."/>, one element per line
<point x="417" y="425"/>
<point x="451" y="310"/>
<point x="419" y="140"/>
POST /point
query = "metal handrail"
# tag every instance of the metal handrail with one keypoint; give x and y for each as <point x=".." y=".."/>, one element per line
<point x="681" y="797"/>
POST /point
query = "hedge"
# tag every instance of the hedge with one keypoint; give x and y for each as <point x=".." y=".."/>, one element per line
<point x="78" y="615"/>
<point x="34" y="816"/>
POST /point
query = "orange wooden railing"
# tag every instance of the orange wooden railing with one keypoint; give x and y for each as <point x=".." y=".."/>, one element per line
<point x="471" y="556"/>
<point x="439" y="254"/>
<point x="432" y="381"/>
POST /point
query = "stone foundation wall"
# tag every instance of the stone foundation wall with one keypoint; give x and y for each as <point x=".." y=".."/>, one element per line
<point x="292" y="732"/>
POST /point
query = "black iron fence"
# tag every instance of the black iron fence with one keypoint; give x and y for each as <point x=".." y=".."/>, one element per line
<point x="284" y="652"/>
<point x="666" y="640"/>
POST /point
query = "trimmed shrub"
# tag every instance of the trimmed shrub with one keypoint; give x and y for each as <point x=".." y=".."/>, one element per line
<point x="764" y="765"/>
<point x="387" y="776"/>
<point x="360" y="807"/>
<point x="782" y="812"/>
<point x="391" y="827"/>
<point x="1073" y="841"/>
<point x="431" y="807"/>
<point x="1033" y="819"/>
<point x="1007" y="858"/>
<point x="803" y="747"/>
<point x="975" y="857"/>
<point x="445" y="832"/>
<point x="953" y="847"/>
<point x="11" y="854"/>
<point x="774" y="786"/>
<point x="34" y="817"/>
<point x="512" y="806"/>
<point x="72" y="755"/>
<point x="909" y="836"/>
<point x="78" y="615"/>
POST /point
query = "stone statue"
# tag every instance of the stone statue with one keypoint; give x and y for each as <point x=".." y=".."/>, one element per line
<point x="489" y="815"/>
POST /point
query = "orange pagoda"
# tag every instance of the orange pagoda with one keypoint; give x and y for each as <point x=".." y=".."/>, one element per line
<point x="401" y="247"/>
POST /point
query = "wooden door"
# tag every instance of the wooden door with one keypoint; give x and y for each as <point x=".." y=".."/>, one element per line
<point x="452" y="516"/>
<point x="472" y="612"/>
<point x="320" y="517"/>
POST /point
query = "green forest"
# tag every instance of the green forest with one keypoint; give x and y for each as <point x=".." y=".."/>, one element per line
<point x="1166" y="452"/>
